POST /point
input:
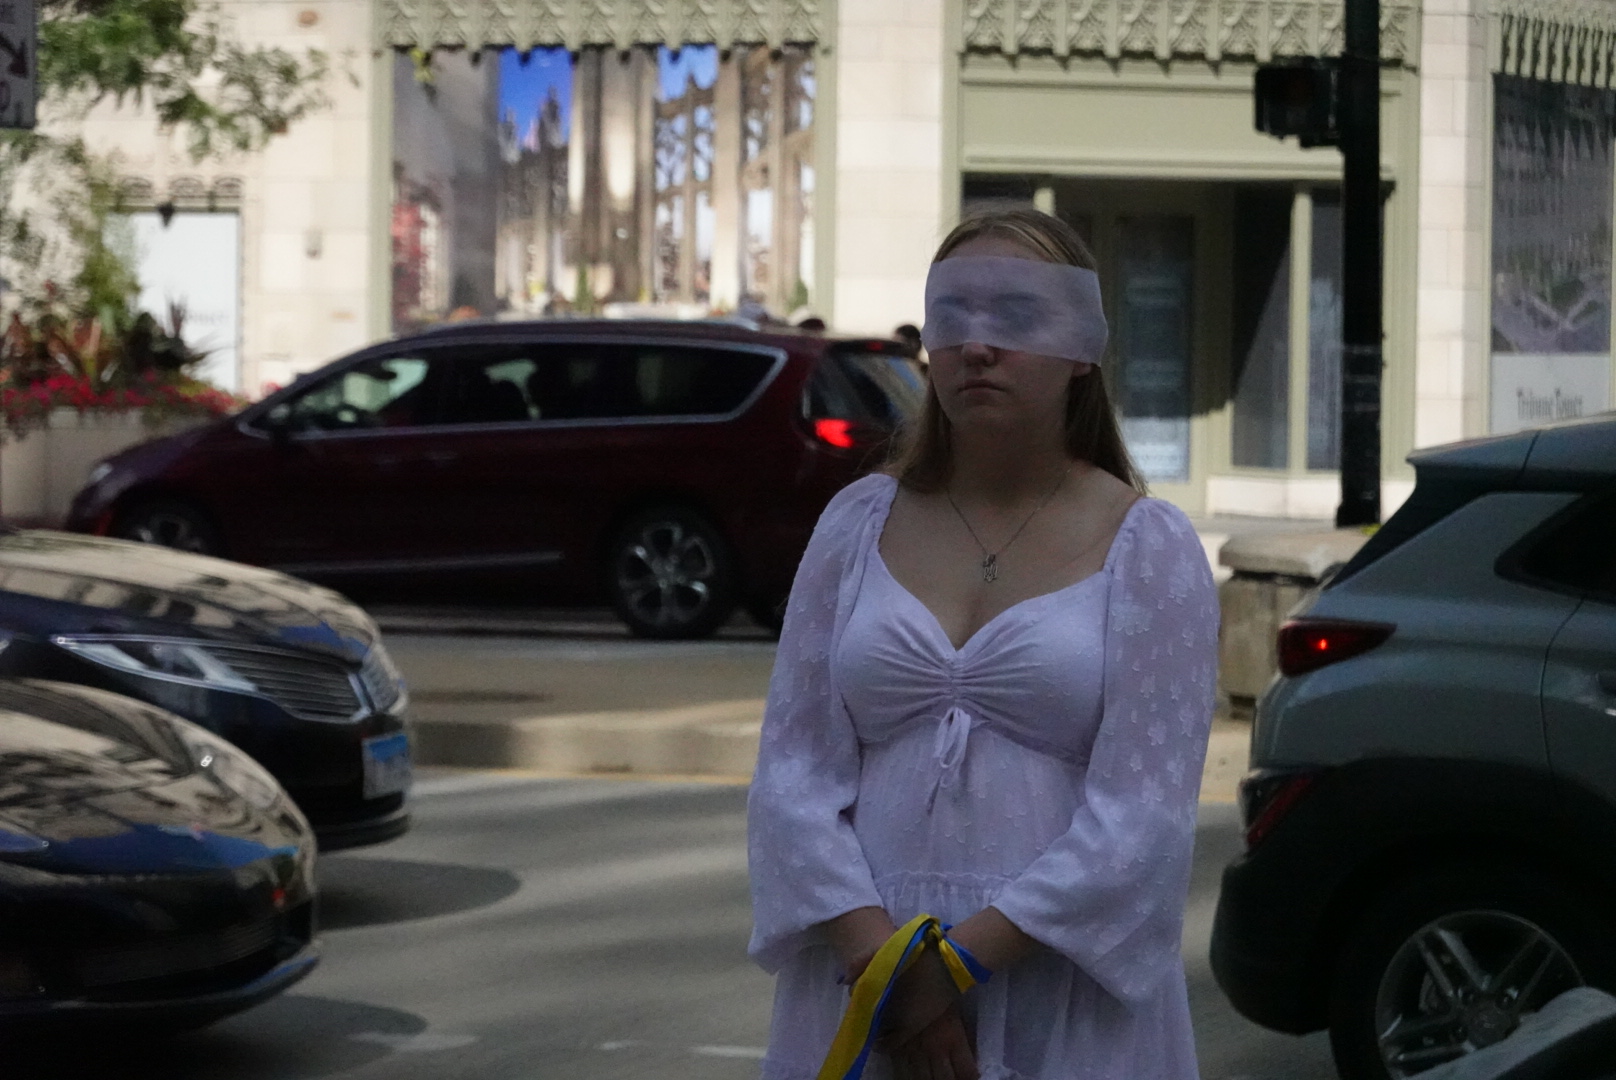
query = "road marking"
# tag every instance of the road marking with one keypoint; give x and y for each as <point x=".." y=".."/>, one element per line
<point x="424" y="1042"/>
<point x="754" y="1053"/>
<point x="748" y="1053"/>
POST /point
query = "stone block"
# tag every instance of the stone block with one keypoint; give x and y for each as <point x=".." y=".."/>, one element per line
<point x="1272" y="573"/>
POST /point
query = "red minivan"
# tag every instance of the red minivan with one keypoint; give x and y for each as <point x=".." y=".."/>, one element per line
<point x="674" y="469"/>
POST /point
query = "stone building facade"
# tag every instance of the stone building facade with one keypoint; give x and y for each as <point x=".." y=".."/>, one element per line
<point x="817" y="158"/>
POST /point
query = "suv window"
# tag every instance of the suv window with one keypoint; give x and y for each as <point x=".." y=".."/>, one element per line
<point x="609" y="382"/>
<point x="1577" y="552"/>
<point x="876" y="387"/>
<point x="384" y="393"/>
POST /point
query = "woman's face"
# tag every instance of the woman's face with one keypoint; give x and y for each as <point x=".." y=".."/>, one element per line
<point x="982" y="387"/>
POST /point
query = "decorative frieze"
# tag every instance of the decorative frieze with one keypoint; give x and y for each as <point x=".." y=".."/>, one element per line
<point x="529" y="24"/>
<point x="1568" y="41"/>
<point x="1166" y="29"/>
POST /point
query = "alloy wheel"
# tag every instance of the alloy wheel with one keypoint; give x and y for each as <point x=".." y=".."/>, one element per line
<point x="667" y="575"/>
<point x="171" y="530"/>
<point x="1464" y="982"/>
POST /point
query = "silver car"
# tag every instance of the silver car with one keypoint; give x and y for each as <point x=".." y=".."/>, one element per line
<point x="1431" y="812"/>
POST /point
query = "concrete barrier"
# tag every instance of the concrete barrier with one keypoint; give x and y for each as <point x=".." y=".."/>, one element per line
<point x="1269" y="575"/>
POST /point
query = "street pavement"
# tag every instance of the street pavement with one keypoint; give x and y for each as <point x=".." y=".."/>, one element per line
<point x="592" y="928"/>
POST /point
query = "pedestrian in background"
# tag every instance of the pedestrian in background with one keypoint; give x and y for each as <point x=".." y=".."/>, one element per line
<point x="991" y="704"/>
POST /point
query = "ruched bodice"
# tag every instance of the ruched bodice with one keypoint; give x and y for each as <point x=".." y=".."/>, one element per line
<point x="1048" y="767"/>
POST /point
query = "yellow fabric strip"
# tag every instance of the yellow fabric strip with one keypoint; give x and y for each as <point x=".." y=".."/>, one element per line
<point x="850" y="1050"/>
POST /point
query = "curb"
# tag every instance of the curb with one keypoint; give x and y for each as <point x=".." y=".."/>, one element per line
<point x="719" y="739"/>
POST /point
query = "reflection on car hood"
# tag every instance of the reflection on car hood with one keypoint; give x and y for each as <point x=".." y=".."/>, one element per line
<point x="142" y="588"/>
<point x="104" y="786"/>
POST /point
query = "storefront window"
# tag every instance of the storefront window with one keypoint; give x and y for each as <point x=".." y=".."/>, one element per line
<point x="1262" y="342"/>
<point x="1551" y="246"/>
<point x="1154" y="332"/>
<point x="549" y="182"/>
<point x="1324" y="335"/>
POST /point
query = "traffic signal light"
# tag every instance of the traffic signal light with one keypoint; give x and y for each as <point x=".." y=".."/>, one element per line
<point x="1300" y="98"/>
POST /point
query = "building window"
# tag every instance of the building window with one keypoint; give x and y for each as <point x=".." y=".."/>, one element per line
<point x="1324" y="334"/>
<point x="548" y="181"/>
<point x="1262" y="333"/>
<point x="1154" y="330"/>
<point x="1551" y="251"/>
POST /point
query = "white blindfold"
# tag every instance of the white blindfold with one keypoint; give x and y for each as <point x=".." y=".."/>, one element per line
<point x="1023" y="305"/>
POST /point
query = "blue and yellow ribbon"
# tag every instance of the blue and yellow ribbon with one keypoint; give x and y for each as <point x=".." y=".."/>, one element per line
<point x="850" y="1050"/>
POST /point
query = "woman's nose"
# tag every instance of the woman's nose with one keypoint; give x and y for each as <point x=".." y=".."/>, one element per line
<point x="977" y="354"/>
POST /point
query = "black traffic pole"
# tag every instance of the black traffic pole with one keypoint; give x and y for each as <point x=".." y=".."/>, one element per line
<point x="1360" y="266"/>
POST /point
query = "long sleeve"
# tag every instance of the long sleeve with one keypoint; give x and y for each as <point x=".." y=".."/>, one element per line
<point x="1110" y="893"/>
<point x="805" y="863"/>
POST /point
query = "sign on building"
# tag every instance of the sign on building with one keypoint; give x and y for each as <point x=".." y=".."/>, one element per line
<point x="17" y="63"/>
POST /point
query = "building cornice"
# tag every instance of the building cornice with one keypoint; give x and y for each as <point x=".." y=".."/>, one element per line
<point x="1211" y="30"/>
<point x="576" y="24"/>
<point x="1566" y="41"/>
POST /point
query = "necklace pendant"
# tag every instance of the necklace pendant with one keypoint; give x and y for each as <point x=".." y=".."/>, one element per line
<point x="990" y="569"/>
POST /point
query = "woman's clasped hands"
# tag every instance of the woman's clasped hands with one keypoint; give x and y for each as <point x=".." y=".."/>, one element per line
<point x="923" y="1028"/>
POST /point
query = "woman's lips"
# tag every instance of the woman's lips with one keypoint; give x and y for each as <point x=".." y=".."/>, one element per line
<point x="979" y="384"/>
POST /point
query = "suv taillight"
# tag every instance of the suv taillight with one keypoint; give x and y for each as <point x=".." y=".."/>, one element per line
<point x="1309" y="644"/>
<point x="1266" y="797"/>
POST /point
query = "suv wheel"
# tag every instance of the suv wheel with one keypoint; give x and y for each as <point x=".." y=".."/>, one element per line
<point x="671" y="575"/>
<point x="1450" y="962"/>
<point x="169" y="524"/>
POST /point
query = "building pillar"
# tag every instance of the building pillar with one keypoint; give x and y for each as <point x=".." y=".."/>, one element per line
<point x="726" y="271"/>
<point x="888" y="127"/>
<point x="1452" y="337"/>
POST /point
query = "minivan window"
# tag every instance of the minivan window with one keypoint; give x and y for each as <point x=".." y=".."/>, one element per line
<point x="876" y="387"/>
<point x="391" y="392"/>
<point x="490" y="390"/>
<point x="615" y="382"/>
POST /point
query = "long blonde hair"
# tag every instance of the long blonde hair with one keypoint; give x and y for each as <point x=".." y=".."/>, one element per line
<point x="925" y="458"/>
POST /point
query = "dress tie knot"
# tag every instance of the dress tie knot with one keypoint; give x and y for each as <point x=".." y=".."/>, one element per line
<point x="953" y="732"/>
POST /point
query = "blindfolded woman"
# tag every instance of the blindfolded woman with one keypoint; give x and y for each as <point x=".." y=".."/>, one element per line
<point x="991" y="705"/>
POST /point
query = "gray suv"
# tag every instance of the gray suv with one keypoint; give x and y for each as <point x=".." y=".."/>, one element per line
<point x="1431" y="812"/>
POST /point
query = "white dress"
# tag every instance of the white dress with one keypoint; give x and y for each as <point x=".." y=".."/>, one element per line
<point x="1050" y="767"/>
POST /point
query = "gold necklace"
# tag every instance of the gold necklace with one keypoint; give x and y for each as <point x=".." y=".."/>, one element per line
<point x="990" y="559"/>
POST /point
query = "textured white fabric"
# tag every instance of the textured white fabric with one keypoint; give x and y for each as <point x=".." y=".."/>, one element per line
<point x="1050" y="309"/>
<point x="1050" y="767"/>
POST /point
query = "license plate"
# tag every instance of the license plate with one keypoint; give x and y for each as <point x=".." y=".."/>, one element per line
<point x="387" y="765"/>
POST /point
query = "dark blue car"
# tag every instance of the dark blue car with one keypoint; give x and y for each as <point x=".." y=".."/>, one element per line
<point x="292" y="673"/>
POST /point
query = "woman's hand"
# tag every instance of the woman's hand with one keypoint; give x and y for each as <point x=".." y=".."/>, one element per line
<point x="856" y="936"/>
<point x="993" y="939"/>
<point x="939" y="1051"/>
<point x="921" y="995"/>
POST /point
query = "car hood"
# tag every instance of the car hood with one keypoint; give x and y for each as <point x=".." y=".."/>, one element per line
<point x="125" y="587"/>
<point x="74" y="801"/>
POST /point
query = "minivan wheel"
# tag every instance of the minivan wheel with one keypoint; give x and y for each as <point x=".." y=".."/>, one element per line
<point x="1450" y="962"/>
<point x="671" y="575"/>
<point x="171" y="524"/>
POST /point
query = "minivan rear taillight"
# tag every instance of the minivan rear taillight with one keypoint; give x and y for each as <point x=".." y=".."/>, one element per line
<point x="837" y="433"/>
<point x="1309" y="644"/>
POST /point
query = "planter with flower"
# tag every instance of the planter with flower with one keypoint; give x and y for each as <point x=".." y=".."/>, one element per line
<point x="75" y="389"/>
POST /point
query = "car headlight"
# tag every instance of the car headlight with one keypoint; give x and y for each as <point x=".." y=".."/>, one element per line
<point x="181" y="661"/>
<point x="232" y="768"/>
